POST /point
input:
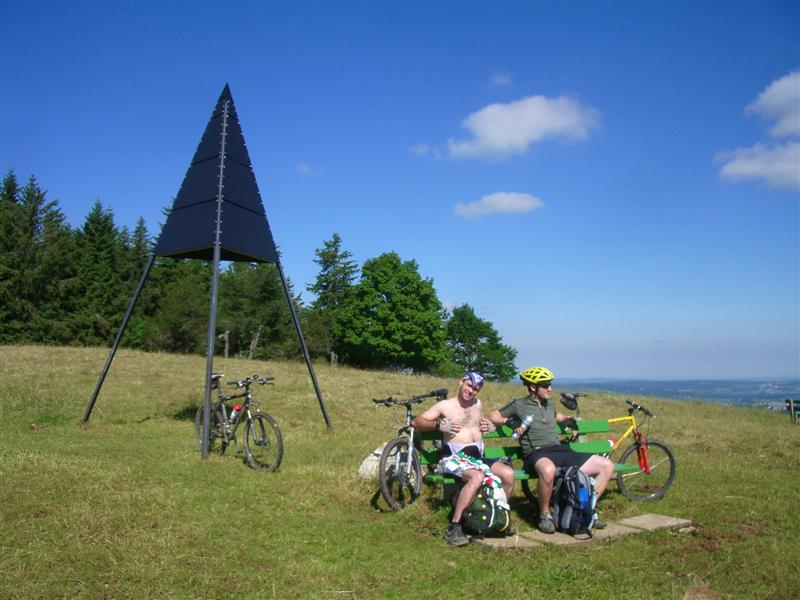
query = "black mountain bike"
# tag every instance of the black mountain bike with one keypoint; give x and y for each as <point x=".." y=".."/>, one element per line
<point x="399" y="470"/>
<point x="262" y="440"/>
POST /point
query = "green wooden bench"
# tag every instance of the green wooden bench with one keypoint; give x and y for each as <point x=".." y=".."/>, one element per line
<point x="500" y="444"/>
<point x="793" y="406"/>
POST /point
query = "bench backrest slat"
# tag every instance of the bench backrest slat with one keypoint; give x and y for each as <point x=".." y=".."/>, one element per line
<point x="584" y="427"/>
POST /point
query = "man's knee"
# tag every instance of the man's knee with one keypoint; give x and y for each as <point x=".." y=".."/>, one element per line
<point x="472" y="478"/>
<point x="598" y="465"/>
<point x="503" y="471"/>
<point x="546" y="471"/>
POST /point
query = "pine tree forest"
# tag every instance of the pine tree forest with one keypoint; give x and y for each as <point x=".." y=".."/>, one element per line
<point x="72" y="286"/>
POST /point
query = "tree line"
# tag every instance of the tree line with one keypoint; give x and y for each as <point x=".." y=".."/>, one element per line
<point x="72" y="286"/>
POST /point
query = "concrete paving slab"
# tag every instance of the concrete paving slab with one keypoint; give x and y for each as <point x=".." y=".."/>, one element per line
<point x="533" y="538"/>
<point x="613" y="530"/>
<point x="557" y="538"/>
<point x="650" y="522"/>
<point x="514" y="541"/>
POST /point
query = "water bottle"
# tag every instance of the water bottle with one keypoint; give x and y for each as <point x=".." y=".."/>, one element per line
<point x="526" y="422"/>
<point x="235" y="414"/>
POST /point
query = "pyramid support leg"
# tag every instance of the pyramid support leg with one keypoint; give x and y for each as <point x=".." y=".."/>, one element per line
<point x="114" y="347"/>
<point x="212" y="337"/>
<point x="304" y="348"/>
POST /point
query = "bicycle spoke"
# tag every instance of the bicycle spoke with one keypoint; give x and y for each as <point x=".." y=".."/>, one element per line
<point x="263" y="442"/>
<point x="399" y="485"/>
<point x="639" y="485"/>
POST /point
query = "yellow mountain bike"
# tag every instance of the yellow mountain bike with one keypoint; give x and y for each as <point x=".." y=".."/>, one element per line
<point x="654" y="462"/>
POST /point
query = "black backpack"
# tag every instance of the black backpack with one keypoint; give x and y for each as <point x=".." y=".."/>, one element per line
<point x="486" y="515"/>
<point x="574" y="500"/>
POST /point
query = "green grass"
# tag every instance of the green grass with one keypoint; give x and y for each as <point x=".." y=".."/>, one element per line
<point x="124" y="508"/>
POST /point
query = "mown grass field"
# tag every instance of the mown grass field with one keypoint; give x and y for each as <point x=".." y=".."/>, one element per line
<point x="124" y="508"/>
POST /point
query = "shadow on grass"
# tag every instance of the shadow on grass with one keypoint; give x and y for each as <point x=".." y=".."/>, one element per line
<point x="186" y="413"/>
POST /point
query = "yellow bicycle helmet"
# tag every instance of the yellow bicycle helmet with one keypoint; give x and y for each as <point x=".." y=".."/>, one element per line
<point x="536" y="375"/>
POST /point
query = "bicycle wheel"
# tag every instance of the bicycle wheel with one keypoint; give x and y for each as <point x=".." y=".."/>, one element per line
<point x="401" y="481"/>
<point x="263" y="443"/>
<point x="638" y="485"/>
<point x="215" y="440"/>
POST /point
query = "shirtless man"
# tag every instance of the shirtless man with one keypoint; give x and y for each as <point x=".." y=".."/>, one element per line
<point x="461" y="422"/>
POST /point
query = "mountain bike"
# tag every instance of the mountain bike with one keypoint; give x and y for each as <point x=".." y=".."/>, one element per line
<point x="262" y="440"/>
<point x="399" y="470"/>
<point x="649" y="465"/>
<point x="654" y="459"/>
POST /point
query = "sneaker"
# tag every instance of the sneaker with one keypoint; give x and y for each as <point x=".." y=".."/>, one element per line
<point x="546" y="524"/>
<point x="454" y="536"/>
<point x="598" y="523"/>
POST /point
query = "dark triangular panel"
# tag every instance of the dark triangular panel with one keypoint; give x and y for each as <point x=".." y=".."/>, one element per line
<point x="191" y="227"/>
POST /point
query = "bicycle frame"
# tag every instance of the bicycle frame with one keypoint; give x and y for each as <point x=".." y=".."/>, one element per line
<point x="409" y="431"/>
<point x="402" y="470"/>
<point x="229" y="429"/>
<point x="638" y="438"/>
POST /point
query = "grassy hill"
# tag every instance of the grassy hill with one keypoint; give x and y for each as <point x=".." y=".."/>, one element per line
<point x="124" y="508"/>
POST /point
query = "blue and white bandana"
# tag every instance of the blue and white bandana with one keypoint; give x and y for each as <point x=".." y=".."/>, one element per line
<point x="475" y="377"/>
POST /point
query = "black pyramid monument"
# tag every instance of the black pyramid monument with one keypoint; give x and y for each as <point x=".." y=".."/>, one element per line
<point x="219" y="201"/>
<point x="217" y="215"/>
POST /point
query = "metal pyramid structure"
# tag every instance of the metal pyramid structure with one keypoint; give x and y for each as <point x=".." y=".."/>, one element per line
<point x="217" y="215"/>
<point x="219" y="201"/>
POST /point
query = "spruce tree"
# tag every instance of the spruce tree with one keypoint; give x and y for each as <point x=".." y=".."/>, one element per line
<point x="252" y="303"/>
<point x="100" y="266"/>
<point x="332" y="287"/>
<point x="15" y="310"/>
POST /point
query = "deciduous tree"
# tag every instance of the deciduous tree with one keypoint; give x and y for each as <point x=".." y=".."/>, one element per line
<point x="474" y="344"/>
<point x="393" y="318"/>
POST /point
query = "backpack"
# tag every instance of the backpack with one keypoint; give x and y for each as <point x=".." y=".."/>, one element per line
<point x="489" y="512"/>
<point x="574" y="500"/>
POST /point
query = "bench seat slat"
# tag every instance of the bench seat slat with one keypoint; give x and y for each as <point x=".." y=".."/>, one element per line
<point x="519" y="474"/>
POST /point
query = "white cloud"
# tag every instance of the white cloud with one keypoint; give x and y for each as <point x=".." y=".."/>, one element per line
<point x="503" y="129"/>
<point x="305" y="169"/>
<point x="499" y="202"/>
<point x="499" y="78"/>
<point x="421" y="149"/>
<point x="778" y="165"/>
<point x="780" y="102"/>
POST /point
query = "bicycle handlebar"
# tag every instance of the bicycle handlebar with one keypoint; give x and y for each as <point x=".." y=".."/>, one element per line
<point x="247" y="381"/>
<point x="440" y="393"/>
<point x="638" y="407"/>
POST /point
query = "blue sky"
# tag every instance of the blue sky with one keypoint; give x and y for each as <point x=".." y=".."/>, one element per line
<point x="615" y="186"/>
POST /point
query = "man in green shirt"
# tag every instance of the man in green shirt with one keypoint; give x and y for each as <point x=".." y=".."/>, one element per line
<point x="543" y="452"/>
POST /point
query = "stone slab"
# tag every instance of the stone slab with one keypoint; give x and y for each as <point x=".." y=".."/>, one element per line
<point x="650" y="522"/>
<point x="534" y="538"/>
<point x="613" y="530"/>
<point x="513" y="541"/>
<point x="557" y="538"/>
